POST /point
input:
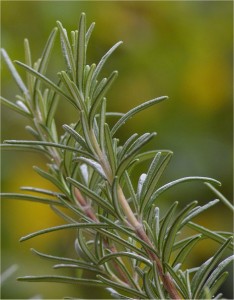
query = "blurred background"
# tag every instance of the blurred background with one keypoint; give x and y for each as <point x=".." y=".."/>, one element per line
<point x="182" y="49"/>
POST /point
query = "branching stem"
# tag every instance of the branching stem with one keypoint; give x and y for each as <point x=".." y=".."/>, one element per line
<point x="133" y="221"/>
<point x="87" y="209"/>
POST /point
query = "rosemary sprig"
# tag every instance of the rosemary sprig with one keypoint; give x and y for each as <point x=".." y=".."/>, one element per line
<point x="121" y="235"/>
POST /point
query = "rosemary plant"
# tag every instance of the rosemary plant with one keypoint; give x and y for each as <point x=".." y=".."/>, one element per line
<point x="134" y="251"/>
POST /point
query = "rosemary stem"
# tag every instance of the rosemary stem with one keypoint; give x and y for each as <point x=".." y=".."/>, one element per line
<point x="133" y="221"/>
<point x="166" y="279"/>
<point x="87" y="209"/>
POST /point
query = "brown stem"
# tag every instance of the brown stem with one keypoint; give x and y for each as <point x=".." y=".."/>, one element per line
<point x="166" y="278"/>
<point x="84" y="205"/>
<point x="133" y="221"/>
<point x="90" y="213"/>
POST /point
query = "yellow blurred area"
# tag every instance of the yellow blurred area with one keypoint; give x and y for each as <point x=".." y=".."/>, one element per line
<point x="202" y="77"/>
<point x="183" y="49"/>
<point x="31" y="216"/>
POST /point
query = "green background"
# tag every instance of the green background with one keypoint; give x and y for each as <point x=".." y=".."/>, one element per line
<point x="182" y="49"/>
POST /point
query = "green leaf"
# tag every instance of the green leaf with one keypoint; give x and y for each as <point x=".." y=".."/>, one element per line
<point x="61" y="259"/>
<point x="44" y="61"/>
<point x="131" y="190"/>
<point x="131" y="255"/>
<point x="127" y="276"/>
<point x="181" y="256"/>
<point x="115" y="198"/>
<point x="73" y="90"/>
<point x="99" y="98"/>
<point x="76" y="136"/>
<point x="216" y="273"/>
<point x="121" y="241"/>
<point x="68" y="155"/>
<point x="134" y="111"/>
<point x="117" y="295"/>
<point x="61" y="279"/>
<point x="74" y="44"/>
<point x="89" y="32"/>
<point x="52" y="179"/>
<point x="46" y="54"/>
<point x="17" y="196"/>
<point x="131" y="154"/>
<point x="92" y="195"/>
<point x="33" y="132"/>
<point x="148" y="287"/>
<point x="86" y="130"/>
<point x="157" y="173"/>
<point x="188" y="284"/>
<point x="165" y="224"/>
<point x="179" y="283"/>
<point x="198" y="276"/>
<point x="67" y="50"/>
<point x="101" y="123"/>
<point x="90" y="268"/>
<point x="52" y="108"/>
<point x="128" y="233"/>
<point x="152" y="171"/>
<point x="220" y="196"/>
<point x="168" y="244"/>
<point x="41" y="191"/>
<point x="127" y="145"/>
<point x="101" y="64"/>
<point x="98" y="88"/>
<point x="74" y="209"/>
<point x="81" y="55"/>
<point x="82" y="243"/>
<point x="89" y="81"/>
<point x="201" y="275"/>
<point x="47" y="144"/>
<point x="93" y="164"/>
<point x="28" y="60"/>
<point x="157" y="281"/>
<point x="167" y="186"/>
<point x="210" y="234"/>
<point x="15" y="107"/>
<point x="25" y="148"/>
<point x="156" y="226"/>
<point x="217" y="284"/>
<point x="47" y="81"/>
<point x="110" y="148"/>
<point x="151" y="154"/>
<point x="41" y="105"/>
<point x="14" y="73"/>
<point x="199" y="210"/>
<point x="121" y="287"/>
<point x="62" y="227"/>
<point x="139" y="142"/>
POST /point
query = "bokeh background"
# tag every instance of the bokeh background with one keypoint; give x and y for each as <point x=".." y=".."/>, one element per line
<point x="182" y="49"/>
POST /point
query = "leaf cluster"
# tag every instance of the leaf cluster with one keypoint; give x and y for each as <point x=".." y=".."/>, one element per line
<point x="121" y="235"/>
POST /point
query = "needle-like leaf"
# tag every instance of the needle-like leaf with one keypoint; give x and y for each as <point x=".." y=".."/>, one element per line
<point x="47" y="81"/>
<point x="168" y="243"/>
<point x="14" y="73"/>
<point x="134" y="111"/>
<point x="101" y="64"/>
<point x="62" y="227"/>
<point x="81" y="55"/>
<point x="67" y="50"/>
<point x="15" y="107"/>
<point x="61" y="279"/>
